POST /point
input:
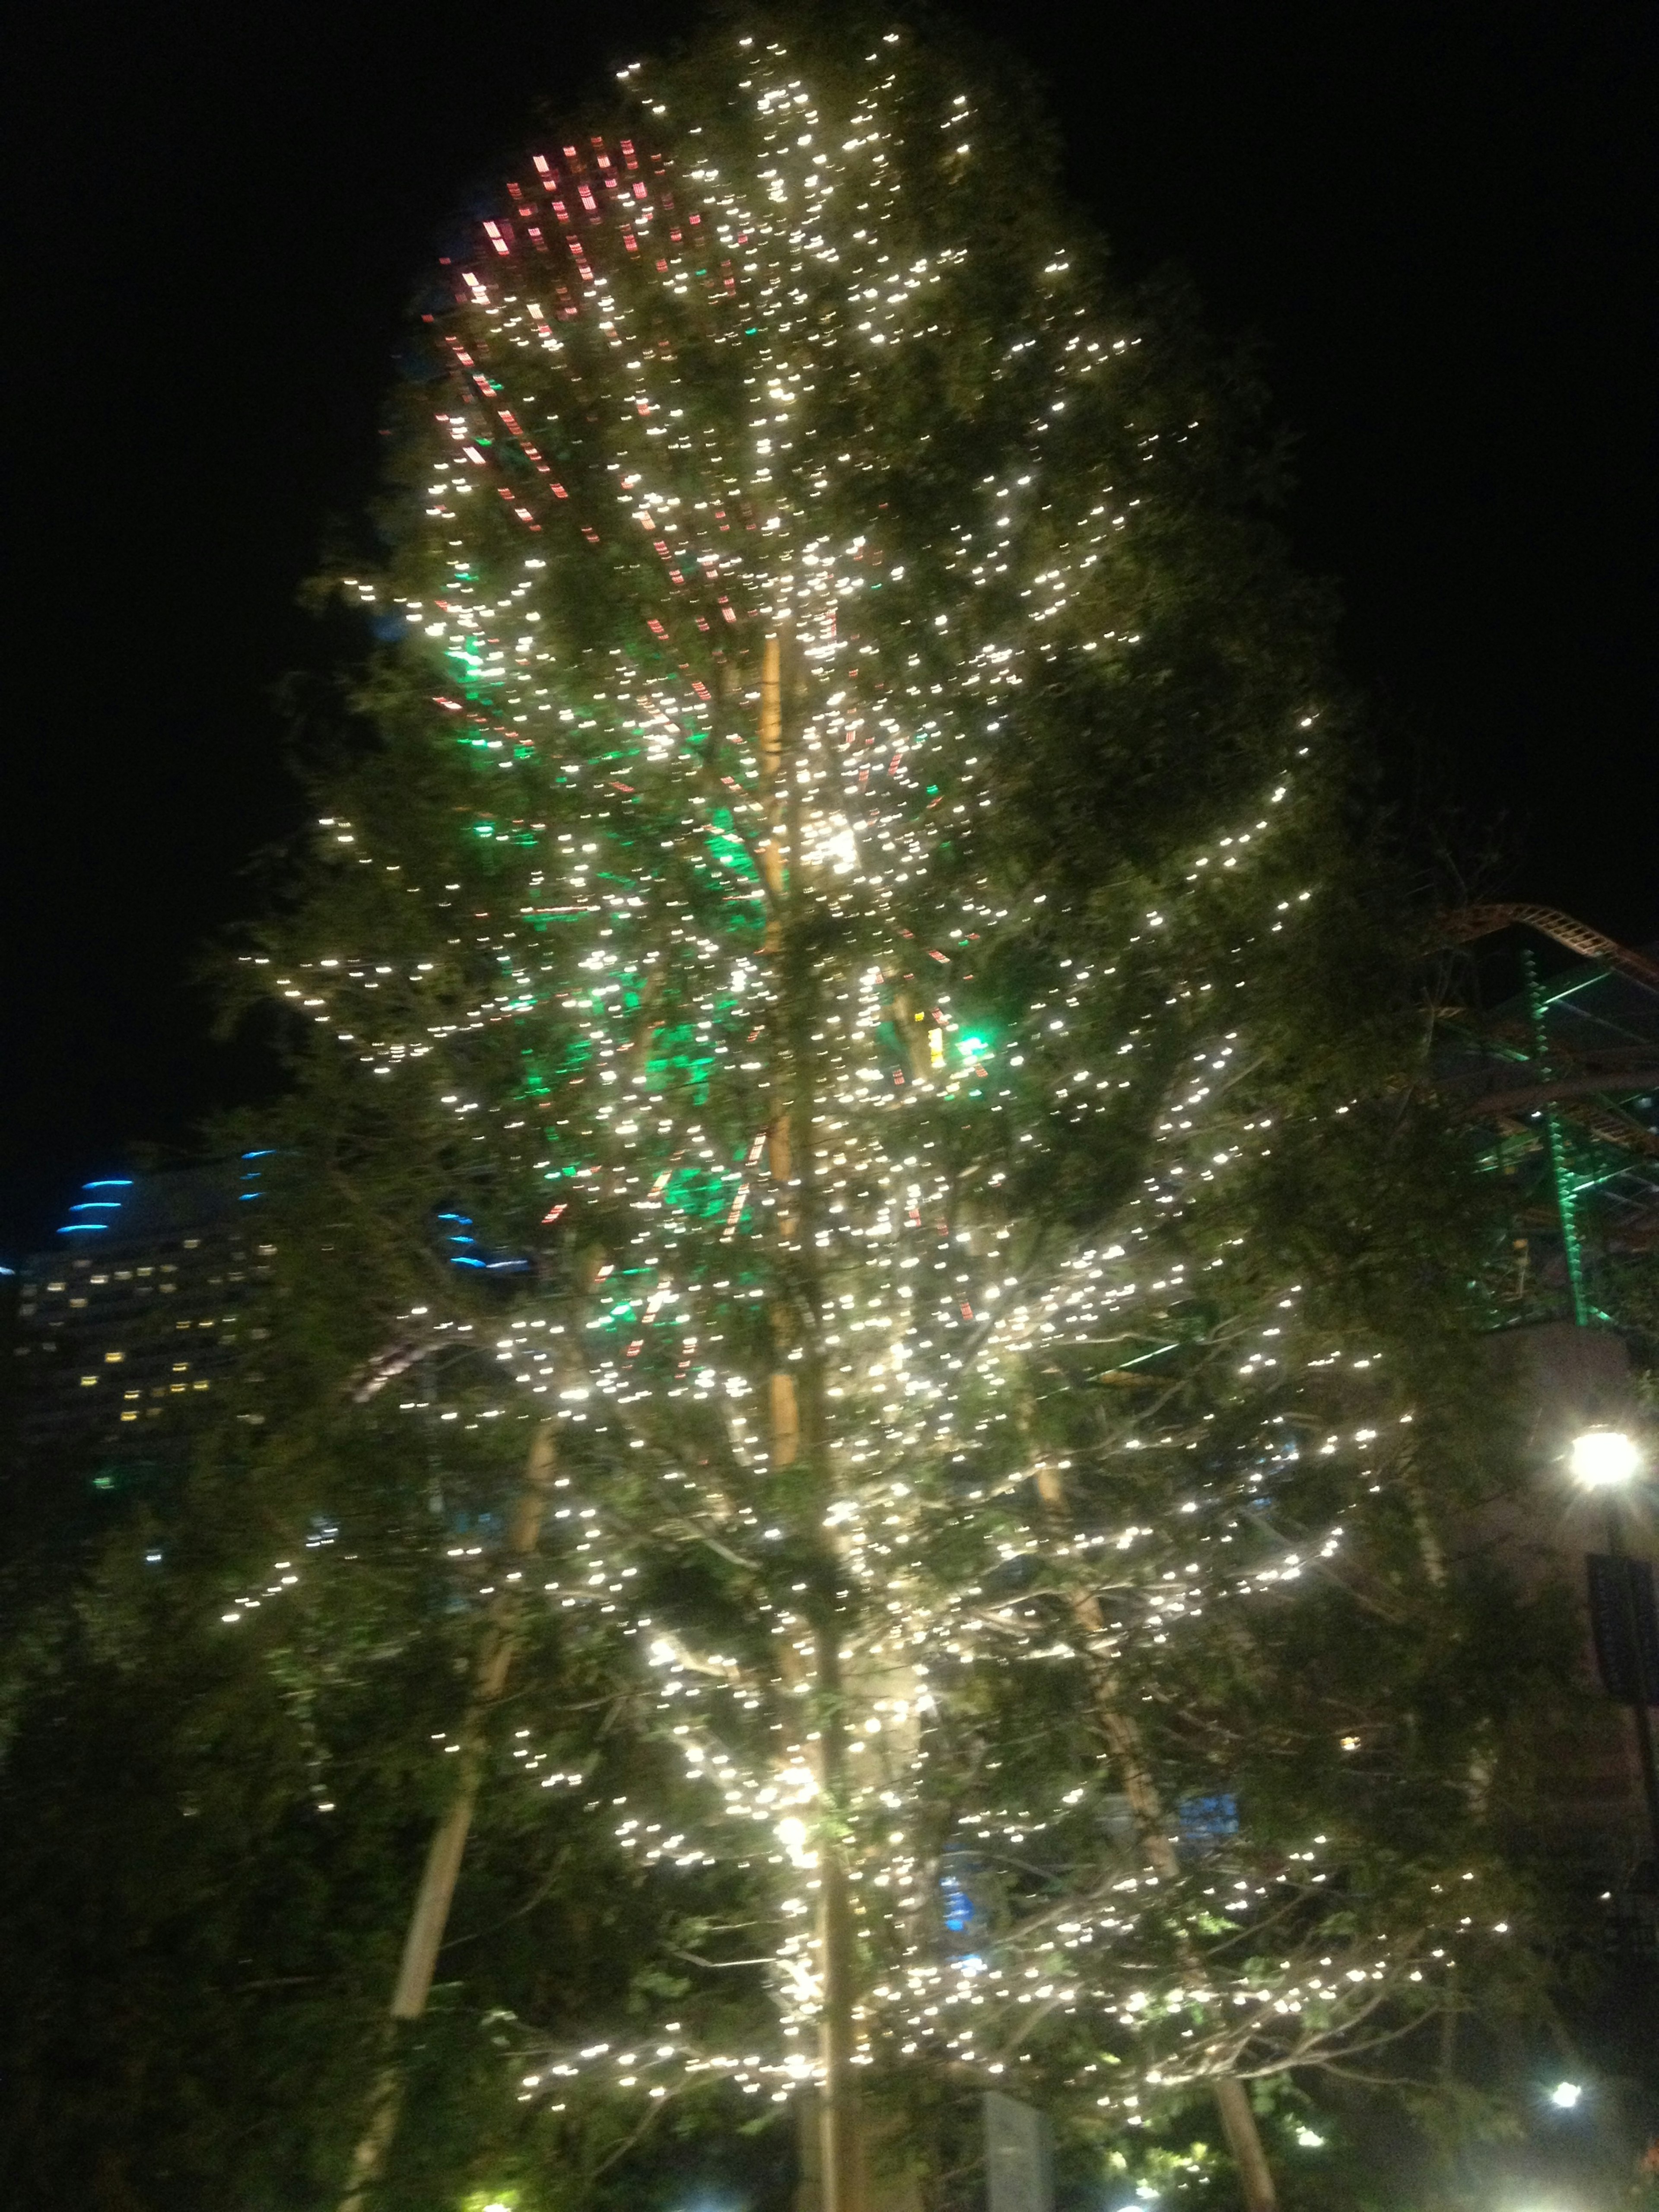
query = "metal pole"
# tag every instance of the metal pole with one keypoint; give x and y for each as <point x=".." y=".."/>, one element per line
<point x="1641" y="1716"/>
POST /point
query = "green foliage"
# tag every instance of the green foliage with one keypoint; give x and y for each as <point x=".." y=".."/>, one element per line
<point x="851" y="700"/>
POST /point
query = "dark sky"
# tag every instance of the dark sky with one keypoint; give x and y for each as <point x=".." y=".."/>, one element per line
<point x="1437" y="218"/>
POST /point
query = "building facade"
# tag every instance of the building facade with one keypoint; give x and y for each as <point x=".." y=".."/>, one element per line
<point x="138" y="1313"/>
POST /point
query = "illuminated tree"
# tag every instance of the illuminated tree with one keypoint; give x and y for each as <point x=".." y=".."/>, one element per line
<point x="852" y="886"/>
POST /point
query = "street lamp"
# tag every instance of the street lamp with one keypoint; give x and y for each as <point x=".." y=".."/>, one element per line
<point x="1601" y="1459"/>
<point x="1607" y="1461"/>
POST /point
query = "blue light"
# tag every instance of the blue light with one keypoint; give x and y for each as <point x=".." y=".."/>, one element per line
<point x="958" y="1906"/>
<point x="962" y="1901"/>
<point x="81" y="1228"/>
<point x="96" y="1205"/>
<point x="1207" y="1821"/>
<point x="109" y="1182"/>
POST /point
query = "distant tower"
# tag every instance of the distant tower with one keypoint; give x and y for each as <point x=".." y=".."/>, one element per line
<point x="137" y="1312"/>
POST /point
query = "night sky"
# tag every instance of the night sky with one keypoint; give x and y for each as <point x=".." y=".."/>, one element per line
<point x="1436" y="221"/>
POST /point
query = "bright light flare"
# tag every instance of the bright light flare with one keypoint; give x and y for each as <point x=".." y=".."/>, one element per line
<point x="1601" y="1457"/>
<point x="791" y="1834"/>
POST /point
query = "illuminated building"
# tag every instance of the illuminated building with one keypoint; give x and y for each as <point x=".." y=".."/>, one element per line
<point x="136" y="1313"/>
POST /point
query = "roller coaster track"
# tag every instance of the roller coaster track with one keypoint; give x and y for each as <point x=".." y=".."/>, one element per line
<point x="1587" y="1096"/>
<point x="1469" y="922"/>
<point x="1571" y="1086"/>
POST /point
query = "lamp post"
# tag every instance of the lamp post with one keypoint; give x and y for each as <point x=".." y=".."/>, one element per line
<point x="1609" y="1461"/>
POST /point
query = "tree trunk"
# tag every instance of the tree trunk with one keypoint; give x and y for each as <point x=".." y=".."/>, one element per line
<point x="841" y="2159"/>
<point x="809" y="2176"/>
<point x="1123" y="1740"/>
<point x="424" y="1936"/>
<point x="1245" y="2141"/>
<point x="797" y="1425"/>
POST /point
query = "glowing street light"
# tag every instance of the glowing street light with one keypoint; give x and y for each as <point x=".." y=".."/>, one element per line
<point x="1603" y="1458"/>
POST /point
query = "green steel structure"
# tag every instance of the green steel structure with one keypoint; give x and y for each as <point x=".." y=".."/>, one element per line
<point x="1558" y="1058"/>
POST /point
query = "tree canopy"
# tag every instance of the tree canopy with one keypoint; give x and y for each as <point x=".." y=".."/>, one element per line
<point x="847" y="1049"/>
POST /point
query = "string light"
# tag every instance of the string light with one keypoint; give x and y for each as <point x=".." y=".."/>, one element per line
<point x="735" y="619"/>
